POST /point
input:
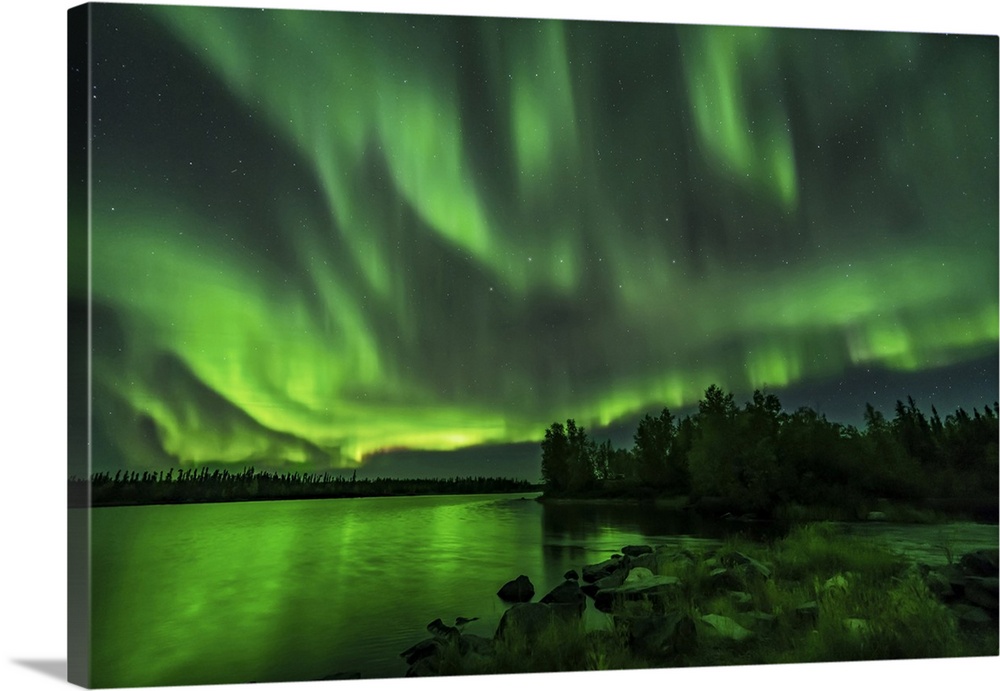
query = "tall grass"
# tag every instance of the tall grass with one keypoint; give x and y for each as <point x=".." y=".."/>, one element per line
<point x="823" y="550"/>
<point x="563" y="645"/>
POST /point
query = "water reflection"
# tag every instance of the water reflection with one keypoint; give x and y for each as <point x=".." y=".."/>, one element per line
<point x="299" y="590"/>
<point x="602" y="524"/>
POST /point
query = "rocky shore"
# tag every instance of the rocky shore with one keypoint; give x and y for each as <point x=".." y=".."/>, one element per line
<point x="670" y="606"/>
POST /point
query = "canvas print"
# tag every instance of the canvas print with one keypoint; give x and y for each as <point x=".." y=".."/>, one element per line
<point x="414" y="345"/>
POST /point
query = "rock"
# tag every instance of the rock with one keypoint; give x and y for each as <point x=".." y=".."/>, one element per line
<point x="567" y="594"/>
<point x="441" y="630"/>
<point x="974" y="618"/>
<point x="571" y="575"/>
<point x="424" y="658"/>
<point x="595" y="572"/>
<point x="528" y="619"/>
<point x="875" y="516"/>
<point x="637" y="574"/>
<point x="982" y="562"/>
<point x="518" y="590"/>
<point x="982" y="592"/>
<point x="651" y="588"/>
<point x="662" y="636"/>
<point x="462" y="621"/>
<point x="676" y="555"/>
<point x="650" y="560"/>
<point x="939" y="585"/>
<point x="955" y="577"/>
<point x="613" y="581"/>
<point x="425" y="648"/>
<point x="726" y="627"/>
<point x="636" y="550"/>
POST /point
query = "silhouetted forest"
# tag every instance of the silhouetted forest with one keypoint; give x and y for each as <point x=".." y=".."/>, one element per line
<point x="759" y="458"/>
<point x="193" y="485"/>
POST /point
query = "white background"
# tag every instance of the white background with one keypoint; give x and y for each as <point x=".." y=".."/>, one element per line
<point x="33" y="333"/>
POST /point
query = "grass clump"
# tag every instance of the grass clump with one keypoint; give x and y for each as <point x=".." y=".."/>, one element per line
<point x="822" y="550"/>
<point x="563" y="645"/>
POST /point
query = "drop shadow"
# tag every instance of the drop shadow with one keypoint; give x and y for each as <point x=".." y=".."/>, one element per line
<point x="50" y="668"/>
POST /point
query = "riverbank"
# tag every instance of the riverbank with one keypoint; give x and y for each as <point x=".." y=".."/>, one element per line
<point x="202" y="486"/>
<point x="927" y="511"/>
<point x="818" y="594"/>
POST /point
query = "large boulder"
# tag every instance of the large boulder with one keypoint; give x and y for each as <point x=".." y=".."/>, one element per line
<point x="636" y="550"/>
<point x="518" y="590"/>
<point x="566" y="594"/>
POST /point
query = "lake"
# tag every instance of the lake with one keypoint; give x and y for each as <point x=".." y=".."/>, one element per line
<point x="298" y="590"/>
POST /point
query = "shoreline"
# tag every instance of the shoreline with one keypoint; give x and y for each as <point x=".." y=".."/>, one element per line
<point x="930" y="510"/>
<point x="818" y="594"/>
<point x="241" y="500"/>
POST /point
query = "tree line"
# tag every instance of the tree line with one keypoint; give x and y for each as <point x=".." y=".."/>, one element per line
<point x="194" y="485"/>
<point x="759" y="457"/>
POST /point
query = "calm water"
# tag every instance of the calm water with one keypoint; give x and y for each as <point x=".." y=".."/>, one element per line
<point x="291" y="590"/>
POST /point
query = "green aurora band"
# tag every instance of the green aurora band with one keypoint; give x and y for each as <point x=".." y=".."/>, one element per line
<point x="433" y="233"/>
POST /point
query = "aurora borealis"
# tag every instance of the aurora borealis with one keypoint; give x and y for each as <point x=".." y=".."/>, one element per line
<point x="318" y="237"/>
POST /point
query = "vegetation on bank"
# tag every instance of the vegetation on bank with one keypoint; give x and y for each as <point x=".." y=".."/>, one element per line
<point x="817" y="594"/>
<point x="761" y="459"/>
<point x="219" y="485"/>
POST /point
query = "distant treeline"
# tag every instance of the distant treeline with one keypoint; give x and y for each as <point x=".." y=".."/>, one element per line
<point x="194" y="485"/>
<point x="758" y="458"/>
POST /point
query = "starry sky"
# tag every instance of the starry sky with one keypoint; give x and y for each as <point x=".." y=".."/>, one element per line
<point x="410" y="243"/>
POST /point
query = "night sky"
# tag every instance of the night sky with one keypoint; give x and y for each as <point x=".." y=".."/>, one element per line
<point x="325" y="239"/>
